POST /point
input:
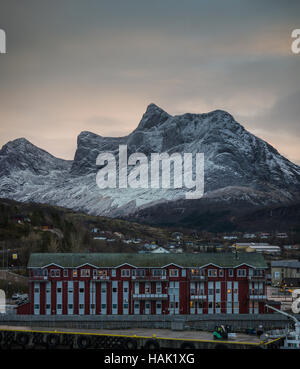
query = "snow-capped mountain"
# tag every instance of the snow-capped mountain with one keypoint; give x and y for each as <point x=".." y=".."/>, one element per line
<point x="237" y="165"/>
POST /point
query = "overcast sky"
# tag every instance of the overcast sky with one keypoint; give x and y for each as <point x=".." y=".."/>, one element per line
<point x="93" y="65"/>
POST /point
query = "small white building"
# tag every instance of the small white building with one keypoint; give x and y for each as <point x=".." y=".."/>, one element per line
<point x="230" y="237"/>
<point x="281" y="235"/>
<point x="265" y="249"/>
<point x="249" y="235"/>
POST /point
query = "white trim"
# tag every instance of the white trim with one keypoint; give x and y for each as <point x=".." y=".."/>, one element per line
<point x="143" y="267"/>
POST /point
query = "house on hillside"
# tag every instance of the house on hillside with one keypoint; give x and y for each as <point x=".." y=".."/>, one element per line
<point x="177" y="236"/>
<point x="249" y="235"/>
<point x="230" y="237"/>
<point x="270" y="249"/>
<point x="281" y="235"/>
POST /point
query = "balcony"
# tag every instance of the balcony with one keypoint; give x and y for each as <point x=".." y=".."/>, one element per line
<point x="256" y="278"/>
<point x="101" y="278"/>
<point x="258" y="297"/>
<point x="150" y="278"/>
<point x="39" y="278"/>
<point x="198" y="297"/>
<point x="150" y="296"/>
<point x="198" y="278"/>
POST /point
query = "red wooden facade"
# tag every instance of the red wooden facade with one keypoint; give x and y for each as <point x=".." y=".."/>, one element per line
<point x="127" y="289"/>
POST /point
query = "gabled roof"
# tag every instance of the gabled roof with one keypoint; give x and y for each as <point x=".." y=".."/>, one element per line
<point x="110" y="260"/>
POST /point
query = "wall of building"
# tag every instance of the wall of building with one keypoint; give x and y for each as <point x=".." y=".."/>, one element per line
<point x="87" y="290"/>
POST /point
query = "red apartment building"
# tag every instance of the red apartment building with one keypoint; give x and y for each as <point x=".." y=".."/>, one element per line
<point x="138" y="284"/>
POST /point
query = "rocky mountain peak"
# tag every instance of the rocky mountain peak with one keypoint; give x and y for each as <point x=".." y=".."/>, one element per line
<point x="153" y="117"/>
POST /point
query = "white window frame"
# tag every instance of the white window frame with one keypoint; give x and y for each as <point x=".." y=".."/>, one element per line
<point x="84" y="273"/>
<point x="176" y="271"/>
<point x="242" y="273"/>
<point x="212" y="273"/>
<point x="125" y="273"/>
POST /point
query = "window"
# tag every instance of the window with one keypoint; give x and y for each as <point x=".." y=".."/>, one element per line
<point x="36" y="290"/>
<point x="59" y="290"/>
<point x="173" y="272"/>
<point x="113" y="272"/>
<point x="125" y="290"/>
<point x="74" y="272"/>
<point x="103" y="289"/>
<point x="114" y="306"/>
<point x="230" y="272"/>
<point x="258" y="272"/>
<point x="102" y="273"/>
<point x="115" y="289"/>
<point x="276" y="275"/>
<point x="125" y="273"/>
<point x="37" y="272"/>
<point x="212" y="272"/>
<point x="158" y="272"/>
<point x="81" y="306"/>
<point x="147" y="289"/>
<point x="125" y="306"/>
<point x="140" y="272"/>
<point x="241" y="273"/>
<point x="158" y="289"/>
<point x="55" y="273"/>
<point x="84" y="273"/>
<point x="221" y="273"/>
<point x="81" y="290"/>
<point x="45" y="272"/>
<point x="66" y="272"/>
<point x="70" y="306"/>
<point x="48" y="306"/>
<point x="198" y="272"/>
<point x="58" y="306"/>
<point x="103" y="306"/>
<point x="36" y="306"/>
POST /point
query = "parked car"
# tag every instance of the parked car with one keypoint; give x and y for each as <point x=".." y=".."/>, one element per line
<point x="16" y="296"/>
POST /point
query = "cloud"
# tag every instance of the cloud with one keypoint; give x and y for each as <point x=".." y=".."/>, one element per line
<point x="96" y="65"/>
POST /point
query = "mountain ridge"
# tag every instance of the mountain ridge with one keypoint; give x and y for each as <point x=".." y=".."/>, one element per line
<point x="237" y="165"/>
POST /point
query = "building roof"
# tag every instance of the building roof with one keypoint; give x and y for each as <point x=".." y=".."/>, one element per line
<point x="270" y="247"/>
<point x="285" y="264"/>
<point x="251" y="244"/>
<point x="108" y="260"/>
